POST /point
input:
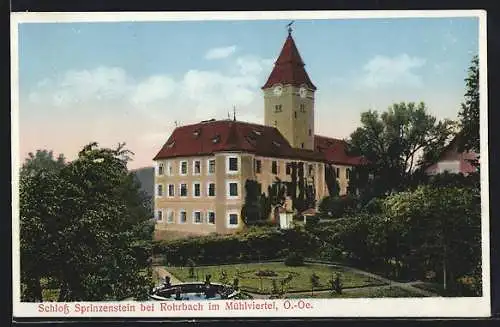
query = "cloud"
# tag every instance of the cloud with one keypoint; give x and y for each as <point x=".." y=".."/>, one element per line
<point x="154" y="88"/>
<point x="220" y="53"/>
<point x="196" y="95"/>
<point x="101" y="83"/>
<point x="382" y="71"/>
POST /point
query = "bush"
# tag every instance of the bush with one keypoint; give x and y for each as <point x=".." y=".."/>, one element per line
<point x="336" y="207"/>
<point x="254" y="244"/>
<point x="294" y="259"/>
<point x="266" y="273"/>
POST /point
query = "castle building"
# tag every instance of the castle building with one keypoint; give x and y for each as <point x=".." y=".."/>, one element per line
<point x="201" y="170"/>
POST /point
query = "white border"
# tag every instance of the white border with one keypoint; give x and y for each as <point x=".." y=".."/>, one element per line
<point x="416" y="307"/>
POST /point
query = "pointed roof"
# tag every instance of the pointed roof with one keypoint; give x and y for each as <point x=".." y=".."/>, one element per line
<point x="289" y="67"/>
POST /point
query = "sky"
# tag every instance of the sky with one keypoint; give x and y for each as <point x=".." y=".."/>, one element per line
<point x="134" y="81"/>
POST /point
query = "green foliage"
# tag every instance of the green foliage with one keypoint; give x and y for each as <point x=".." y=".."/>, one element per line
<point x="191" y="265"/>
<point x="469" y="114"/>
<point x="337" y="206"/>
<point x="315" y="282"/>
<point x="251" y="212"/>
<point x="294" y="259"/>
<point x="84" y="225"/>
<point x="443" y="227"/>
<point x="251" y="245"/>
<point x="336" y="283"/>
<point x="392" y="142"/>
<point x="331" y="181"/>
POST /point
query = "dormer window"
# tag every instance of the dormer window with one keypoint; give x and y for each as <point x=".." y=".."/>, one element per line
<point x="171" y="144"/>
<point x="256" y="132"/>
<point x="276" y="144"/>
<point x="216" y="139"/>
<point x="196" y="133"/>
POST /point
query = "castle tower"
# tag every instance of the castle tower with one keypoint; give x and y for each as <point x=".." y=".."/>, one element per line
<point x="289" y="97"/>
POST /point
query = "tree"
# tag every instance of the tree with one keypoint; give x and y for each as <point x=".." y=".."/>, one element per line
<point x="314" y="282"/>
<point x="331" y="180"/>
<point x="469" y="114"/>
<point x="86" y="226"/>
<point x="444" y="227"/>
<point x="396" y="143"/>
<point x="251" y="210"/>
<point x="43" y="160"/>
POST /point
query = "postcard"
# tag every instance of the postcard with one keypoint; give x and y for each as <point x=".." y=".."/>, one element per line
<point x="250" y="164"/>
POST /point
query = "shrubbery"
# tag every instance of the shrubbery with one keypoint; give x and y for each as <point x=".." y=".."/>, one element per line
<point x="294" y="259"/>
<point x="255" y="244"/>
<point x="336" y="207"/>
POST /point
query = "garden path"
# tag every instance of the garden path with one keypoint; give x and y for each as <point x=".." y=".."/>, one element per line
<point x="162" y="273"/>
<point x="406" y="286"/>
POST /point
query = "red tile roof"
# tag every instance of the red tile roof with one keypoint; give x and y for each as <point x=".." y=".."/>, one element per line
<point x="214" y="136"/>
<point x="289" y="68"/>
<point x="335" y="151"/>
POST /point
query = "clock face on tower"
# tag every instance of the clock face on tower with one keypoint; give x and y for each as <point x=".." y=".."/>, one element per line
<point x="303" y="92"/>
<point x="278" y="90"/>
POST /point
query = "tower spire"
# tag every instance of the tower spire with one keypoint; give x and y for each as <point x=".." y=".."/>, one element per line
<point x="289" y="67"/>
<point x="289" y="25"/>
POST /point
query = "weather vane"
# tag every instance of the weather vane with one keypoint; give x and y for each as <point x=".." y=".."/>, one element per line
<point x="289" y="25"/>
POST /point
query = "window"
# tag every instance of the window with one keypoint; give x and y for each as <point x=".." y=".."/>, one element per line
<point x="160" y="169"/>
<point x="170" y="216"/>
<point x="182" y="217"/>
<point x="170" y="169"/>
<point x="348" y="173"/>
<point x="159" y="215"/>
<point x="171" y="190"/>
<point x="159" y="190"/>
<point x="211" y="189"/>
<point x="183" y="168"/>
<point x="274" y="167"/>
<point x="258" y="166"/>
<point x="337" y="172"/>
<point x="196" y="190"/>
<point x="310" y="132"/>
<point x="232" y="190"/>
<point x="232" y="164"/>
<point x="302" y="107"/>
<point x="289" y="168"/>
<point x="311" y="170"/>
<point x="211" y="166"/>
<point x="275" y="123"/>
<point x="197" y="217"/>
<point x="278" y="108"/>
<point x="302" y="145"/>
<point x="295" y="114"/>
<point x="196" y="167"/>
<point x="211" y="217"/>
<point x="232" y="219"/>
<point x="216" y="139"/>
<point x="183" y="190"/>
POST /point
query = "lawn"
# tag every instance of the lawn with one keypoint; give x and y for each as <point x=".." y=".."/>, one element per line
<point x="434" y="287"/>
<point x="393" y="291"/>
<point x="301" y="280"/>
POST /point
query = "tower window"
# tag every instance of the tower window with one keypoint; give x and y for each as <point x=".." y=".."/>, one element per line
<point x="275" y="123"/>
<point x="302" y="145"/>
<point x="295" y="114"/>
<point x="302" y="107"/>
<point x="278" y="108"/>
<point x="310" y="132"/>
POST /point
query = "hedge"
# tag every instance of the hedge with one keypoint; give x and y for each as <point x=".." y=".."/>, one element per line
<point x="249" y="246"/>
